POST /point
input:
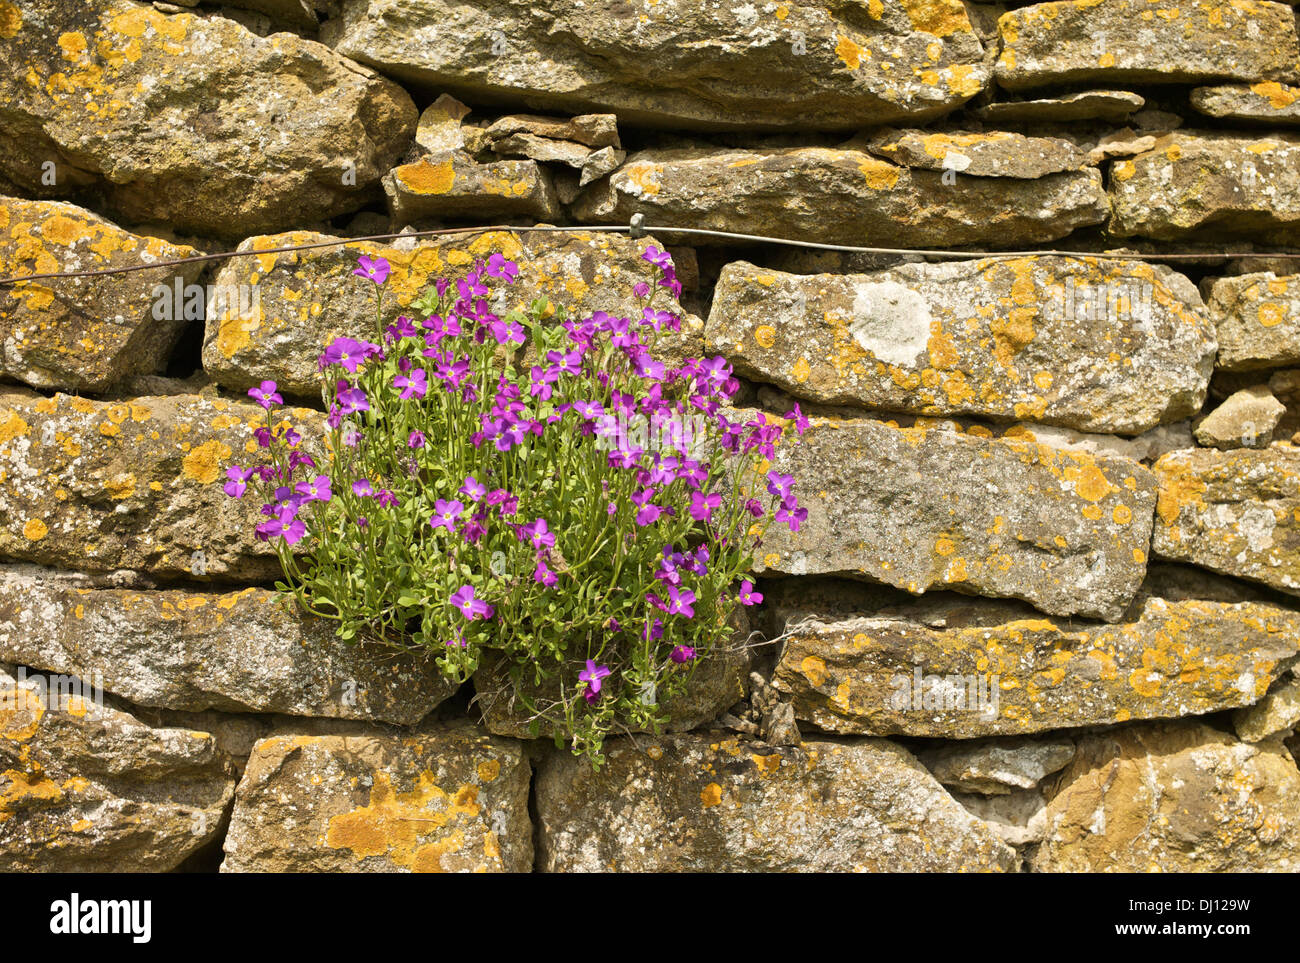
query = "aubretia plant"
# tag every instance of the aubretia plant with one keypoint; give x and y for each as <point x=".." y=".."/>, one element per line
<point x="534" y="484"/>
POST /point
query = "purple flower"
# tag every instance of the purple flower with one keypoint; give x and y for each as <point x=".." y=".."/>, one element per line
<point x="386" y="498"/>
<point x="470" y="607"/>
<point x="416" y="440"/>
<point x="648" y="515"/>
<point x="779" y="485"/>
<point x="537" y="534"/>
<point x="798" y="417"/>
<point x="592" y="676"/>
<point x="362" y="488"/>
<point x="345" y="352"/>
<point x="791" y="514"/>
<point x="754" y="507"/>
<point x="413" y="385"/>
<point x="499" y="267"/>
<point x="266" y="395"/>
<point x="681" y="654"/>
<point x="375" y="269"/>
<point x="544" y="576"/>
<point x="680" y="601"/>
<point x="318" y="489"/>
<point x="284" y="524"/>
<point x="353" y="400"/>
<point x="747" y="595"/>
<point x="445" y="514"/>
<point x="702" y="505"/>
<point x="472" y="489"/>
<point x="237" y="485"/>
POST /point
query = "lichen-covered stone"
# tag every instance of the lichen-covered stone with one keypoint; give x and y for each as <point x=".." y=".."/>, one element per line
<point x="309" y="297"/>
<point x="962" y="669"/>
<point x="100" y="486"/>
<point x="1235" y="512"/>
<point x="1108" y="105"/>
<point x="88" y="788"/>
<point x="1267" y="102"/>
<point x="244" y="651"/>
<point x="994" y="154"/>
<point x="1210" y="185"/>
<point x="453" y="184"/>
<point x="707" y="802"/>
<point x="717" y="683"/>
<point x="1135" y="41"/>
<point x="84" y="334"/>
<point x="1277" y="712"/>
<point x="1257" y="317"/>
<point x="838" y="196"/>
<point x="922" y="508"/>
<point x="1173" y="798"/>
<point x="191" y="120"/>
<point x="997" y="767"/>
<point x="1097" y="345"/>
<point x="817" y="65"/>
<point x="1246" y="419"/>
<point x="444" y="798"/>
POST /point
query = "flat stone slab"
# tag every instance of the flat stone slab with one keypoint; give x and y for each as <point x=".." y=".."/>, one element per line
<point x="706" y="802"/>
<point x="1091" y="344"/>
<point x="923" y="508"/>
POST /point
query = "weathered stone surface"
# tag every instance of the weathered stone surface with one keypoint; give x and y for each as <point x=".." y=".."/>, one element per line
<point x="1267" y="102"/>
<point x="308" y="297"/>
<point x="100" y="486"/>
<point x="1097" y="345"/>
<point x="1173" y="798"/>
<point x="967" y="668"/>
<point x="998" y="767"/>
<point x="1212" y="185"/>
<point x="837" y="196"/>
<point x="1245" y="420"/>
<point x="1132" y="41"/>
<point x="1120" y="143"/>
<point x="922" y="508"/>
<point x="819" y="66"/>
<point x="717" y="683"/>
<point x="446" y="798"/>
<point x="242" y="651"/>
<point x="706" y="802"/>
<point x="453" y="184"/>
<point x="83" y="334"/>
<point x="1235" y="512"/>
<point x="1145" y="447"/>
<point x="995" y="154"/>
<point x="139" y="104"/>
<point x="439" y="128"/>
<point x="1257" y="317"/>
<point x="1277" y="712"/>
<point x="89" y="788"/>
<point x="1018" y="818"/>
<point x="1108" y="105"/>
<point x="590" y="130"/>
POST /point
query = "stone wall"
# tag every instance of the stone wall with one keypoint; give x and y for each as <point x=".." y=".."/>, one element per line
<point x="1043" y="615"/>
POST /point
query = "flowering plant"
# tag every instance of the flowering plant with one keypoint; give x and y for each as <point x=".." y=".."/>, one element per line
<point x="535" y="484"/>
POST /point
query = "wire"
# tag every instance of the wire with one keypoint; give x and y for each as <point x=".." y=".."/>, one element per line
<point x="638" y="228"/>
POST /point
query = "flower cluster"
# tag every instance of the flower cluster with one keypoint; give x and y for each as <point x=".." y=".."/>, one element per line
<point x="538" y="489"/>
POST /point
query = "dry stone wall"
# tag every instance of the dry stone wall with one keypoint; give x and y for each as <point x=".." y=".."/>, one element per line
<point x="1044" y="613"/>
